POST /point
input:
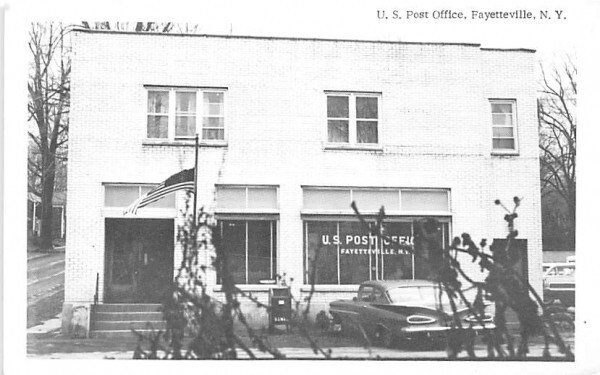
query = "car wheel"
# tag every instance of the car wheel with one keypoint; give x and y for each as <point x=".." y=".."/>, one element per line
<point x="384" y="337"/>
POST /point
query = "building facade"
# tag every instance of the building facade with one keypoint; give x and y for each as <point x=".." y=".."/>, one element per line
<point x="292" y="131"/>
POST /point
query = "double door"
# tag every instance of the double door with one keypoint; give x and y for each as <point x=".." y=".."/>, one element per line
<point x="139" y="260"/>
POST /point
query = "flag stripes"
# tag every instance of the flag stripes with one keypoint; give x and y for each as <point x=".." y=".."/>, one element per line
<point x="183" y="180"/>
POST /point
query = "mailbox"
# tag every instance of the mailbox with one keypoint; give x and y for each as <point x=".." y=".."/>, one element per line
<point x="280" y="312"/>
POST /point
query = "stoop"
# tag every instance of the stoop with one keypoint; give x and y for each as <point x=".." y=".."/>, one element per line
<point x="116" y="320"/>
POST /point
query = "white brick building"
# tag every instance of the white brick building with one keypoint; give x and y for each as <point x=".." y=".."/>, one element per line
<point x="299" y="127"/>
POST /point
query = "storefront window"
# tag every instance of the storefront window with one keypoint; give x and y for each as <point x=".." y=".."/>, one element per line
<point x="354" y="260"/>
<point x="396" y="262"/>
<point x="321" y="252"/>
<point x="345" y="252"/>
<point x="251" y="248"/>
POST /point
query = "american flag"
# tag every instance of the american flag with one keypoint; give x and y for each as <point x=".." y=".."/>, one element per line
<point x="183" y="180"/>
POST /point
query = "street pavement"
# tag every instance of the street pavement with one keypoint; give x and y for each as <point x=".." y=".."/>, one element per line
<point x="45" y="286"/>
<point x="51" y="345"/>
<point x="346" y="352"/>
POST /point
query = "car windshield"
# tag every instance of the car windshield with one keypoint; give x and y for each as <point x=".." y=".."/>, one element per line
<point x="425" y="295"/>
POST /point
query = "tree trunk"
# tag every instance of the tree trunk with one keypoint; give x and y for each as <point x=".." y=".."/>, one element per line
<point x="571" y="221"/>
<point x="46" y="207"/>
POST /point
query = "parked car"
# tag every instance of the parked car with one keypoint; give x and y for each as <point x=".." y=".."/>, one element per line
<point x="559" y="284"/>
<point x="404" y="310"/>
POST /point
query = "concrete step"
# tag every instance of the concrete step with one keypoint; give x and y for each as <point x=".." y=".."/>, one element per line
<point x="120" y="334"/>
<point x="143" y="316"/>
<point x="127" y="307"/>
<point x="114" y="325"/>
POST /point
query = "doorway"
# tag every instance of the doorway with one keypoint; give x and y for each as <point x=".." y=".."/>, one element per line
<point x="138" y="260"/>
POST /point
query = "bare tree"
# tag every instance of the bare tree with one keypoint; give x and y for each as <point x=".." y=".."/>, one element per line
<point x="48" y="107"/>
<point x="558" y="129"/>
<point x="49" y="101"/>
<point x="140" y="27"/>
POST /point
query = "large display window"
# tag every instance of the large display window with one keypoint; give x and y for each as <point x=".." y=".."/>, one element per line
<point x="247" y="219"/>
<point x="252" y="249"/>
<point x="345" y="252"/>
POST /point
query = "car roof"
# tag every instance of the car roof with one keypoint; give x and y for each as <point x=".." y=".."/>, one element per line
<point x="389" y="284"/>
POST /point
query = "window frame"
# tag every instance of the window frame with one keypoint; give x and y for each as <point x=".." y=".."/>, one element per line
<point x="202" y="116"/>
<point x="173" y="93"/>
<point x="199" y="114"/>
<point x="514" y="127"/>
<point x="146" y="212"/>
<point x="245" y="210"/>
<point x="352" y="119"/>
<point x="390" y="210"/>
<point x="339" y="219"/>
<point x="274" y="241"/>
<point x="158" y="114"/>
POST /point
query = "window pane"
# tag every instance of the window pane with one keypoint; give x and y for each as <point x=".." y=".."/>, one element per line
<point x="213" y="134"/>
<point x="213" y="109"/>
<point x="262" y="198"/>
<point x="213" y="122"/>
<point x="504" y="144"/>
<point x="168" y="201"/>
<point x="502" y="119"/>
<point x="354" y="253"/>
<point x="425" y="200"/>
<point x="234" y="243"/>
<point x="213" y="98"/>
<point x="213" y="103"/>
<point x="502" y="132"/>
<point x="186" y="102"/>
<point x="321" y="252"/>
<point x="185" y="126"/>
<point x="158" y="102"/>
<point x="366" y="108"/>
<point x="337" y="131"/>
<point x="120" y="195"/>
<point x="437" y="239"/>
<point x="325" y="199"/>
<point x="366" y="131"/>
<point x="259" y="251"/>
<point x="231" y="197"/>
<point x="337" y="106"/>
<point x="372" y="200"/>
<point x="157" y="126"/>
<point x="501" y="108"/>
<point x="395" y="263"/>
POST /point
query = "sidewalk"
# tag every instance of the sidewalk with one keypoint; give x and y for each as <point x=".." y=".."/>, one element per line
<point x="45" y="342"/>
<point x="351" y="352"/>
<point x="49" y="326"/>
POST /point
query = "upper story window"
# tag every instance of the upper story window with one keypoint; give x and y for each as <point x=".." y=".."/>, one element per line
<point x="353" y="118"/>
<point x="175" y="113"/>
<point x="504" y="126"/>
<point x="158" y="114"/>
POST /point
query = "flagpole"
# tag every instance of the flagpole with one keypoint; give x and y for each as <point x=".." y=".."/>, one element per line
<point x="196" y="180"/>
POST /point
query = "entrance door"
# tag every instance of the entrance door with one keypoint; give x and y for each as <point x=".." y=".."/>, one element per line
<point x="139" y="259"/>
